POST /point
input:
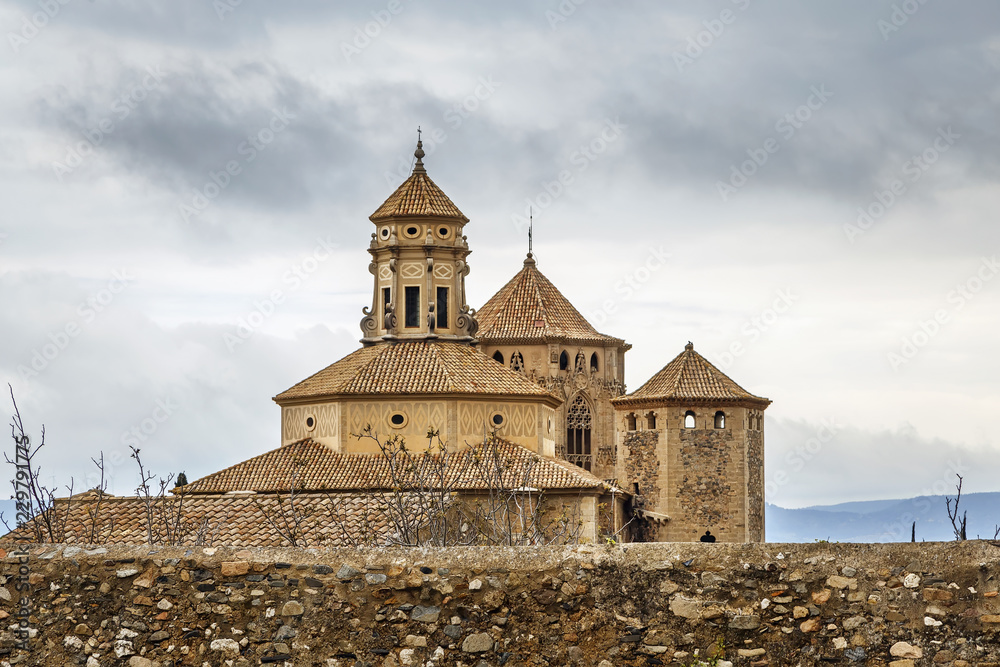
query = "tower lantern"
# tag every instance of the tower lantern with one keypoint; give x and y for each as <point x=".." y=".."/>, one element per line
<point x="418" y="265"/>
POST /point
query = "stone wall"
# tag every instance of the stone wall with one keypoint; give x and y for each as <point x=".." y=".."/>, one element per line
<point x="755" y="485"/>
<point x="904" y="605"/>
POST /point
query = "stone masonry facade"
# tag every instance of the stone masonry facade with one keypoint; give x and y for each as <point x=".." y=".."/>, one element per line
<point x="901" y="605"/>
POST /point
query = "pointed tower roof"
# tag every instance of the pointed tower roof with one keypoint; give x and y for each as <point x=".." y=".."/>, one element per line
<point x="691" y="379"/>
<point x="418" y="196"/>
<point x="530" y="309"/>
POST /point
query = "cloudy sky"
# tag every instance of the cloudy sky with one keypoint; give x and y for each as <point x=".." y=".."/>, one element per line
<point x="807" y="191"/>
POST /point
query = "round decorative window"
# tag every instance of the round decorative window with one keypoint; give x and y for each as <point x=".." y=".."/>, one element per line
<point x="310" y="423"/>
<point x="444" y="232"/>
<point x="397" y="420"/>
<point x="384" y="233"/>
<point x="412" y="231"/>
<point x="497" y="420"/>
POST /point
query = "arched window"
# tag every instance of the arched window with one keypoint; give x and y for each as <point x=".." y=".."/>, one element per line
<point x="578" y="425"/>
<point x="688" y="419"/>
<point x="517" y="362"/>
<point x="563" y="361"/>
<point x="720" y="419"/>
<point x="651" y="421"/>
<point x="593" y="363"/>
<point x="498" y="356"/>
<point x="630" y="421"/>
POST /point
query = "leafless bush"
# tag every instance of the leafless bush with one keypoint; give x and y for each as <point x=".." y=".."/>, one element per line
<point x="480" y="496"/>
<point x="37" y="511"/>
<point x="289" y="514"/>
<point x="957" y="523"/>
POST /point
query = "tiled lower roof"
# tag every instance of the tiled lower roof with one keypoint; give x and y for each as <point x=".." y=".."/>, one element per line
<point x="310" y="466"/>
<point x="415" y="367"/>
<point x="690" y="378"/>
<point x="235" y="520"/>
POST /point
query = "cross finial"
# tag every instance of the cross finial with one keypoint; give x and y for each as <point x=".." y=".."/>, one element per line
<point x="419" y="154"/>
<point x="531" y="224"/>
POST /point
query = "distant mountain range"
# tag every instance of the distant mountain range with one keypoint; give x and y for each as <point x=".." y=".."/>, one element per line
<point x="883" y="520"/>
<point x="860" y="521"/>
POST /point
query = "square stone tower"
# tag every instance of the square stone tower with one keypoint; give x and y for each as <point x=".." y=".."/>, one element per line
<point x="691" y="447"/>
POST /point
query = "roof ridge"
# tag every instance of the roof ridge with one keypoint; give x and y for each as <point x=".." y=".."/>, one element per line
<point x="442" y="366"/>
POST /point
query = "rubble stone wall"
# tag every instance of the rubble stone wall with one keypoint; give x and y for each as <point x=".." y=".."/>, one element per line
<point x="639" y="604"/>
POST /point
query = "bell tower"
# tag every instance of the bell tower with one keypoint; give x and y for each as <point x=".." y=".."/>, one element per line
<point x="418" y="266"/>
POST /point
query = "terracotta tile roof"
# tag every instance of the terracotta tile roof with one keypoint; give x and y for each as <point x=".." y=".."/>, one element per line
<point x="236" y="520"/>
<point x="530" y="308"/>
<point x="418" y="195"/>
<point x="312" y="466"/>
<point x="415" y="367"/>
<point x="690" y="378"/>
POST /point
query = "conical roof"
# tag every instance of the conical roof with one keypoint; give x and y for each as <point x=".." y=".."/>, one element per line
<point x="418" y="196"/>
<point x="530" y="309"/>
<point x="691" y="379"/>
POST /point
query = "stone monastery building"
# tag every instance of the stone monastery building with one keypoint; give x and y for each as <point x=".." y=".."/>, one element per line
<point x="689" y="443"/>
<point x="681" y="455"/>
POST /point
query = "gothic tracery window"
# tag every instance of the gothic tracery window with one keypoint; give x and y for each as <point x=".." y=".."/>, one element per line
<point x="578" y="427"/>
<point x="517" y="362"/>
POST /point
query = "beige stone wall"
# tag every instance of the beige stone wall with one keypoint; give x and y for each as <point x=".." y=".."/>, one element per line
<point x="326" y="424"/>
<point x="541" y="365"/>
<point x="704" y="478"/>
<point x="458" y="421"/>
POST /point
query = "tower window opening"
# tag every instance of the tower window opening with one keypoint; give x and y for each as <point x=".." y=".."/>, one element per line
<point x="412" y="231"/>
<point x="563" y="361"/>
<point x="689" y="419"/>
<point x="593" y="363"/>
<point x="630" y="421"/>
<point x="441" y="308"/>
<point x="720" y="419"/>
<point x="412" y="306"/>
<point x="498" y="356"/>
<point x="651" y="421"/>
<point x="386" y="301"/>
